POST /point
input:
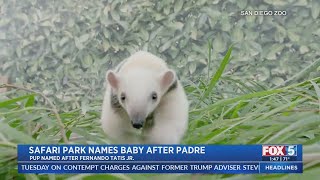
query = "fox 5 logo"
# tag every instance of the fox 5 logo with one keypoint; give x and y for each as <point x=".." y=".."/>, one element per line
<point x="279" y="150"/>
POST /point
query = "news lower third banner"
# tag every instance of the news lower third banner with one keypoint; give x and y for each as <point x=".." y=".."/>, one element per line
<point x="210" y="159"/>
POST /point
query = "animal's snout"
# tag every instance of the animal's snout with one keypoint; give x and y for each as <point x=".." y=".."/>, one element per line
<point x="137" y="121"/>
<point x="137" y="125"/>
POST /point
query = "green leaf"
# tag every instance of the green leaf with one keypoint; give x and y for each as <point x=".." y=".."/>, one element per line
<point x="315" y="9"/>
<point x="219" y="45"/>
<point x="115" y="15"/>
<point x="84" y="38"/>
<point x="303" y="49"/>
<point x="63" y="41"/>
<point x="242" y="4"/>
<point x="78" y="43"/>
<point x="317" y="89"/>
<point x="165" y="46"/>
<point x="277" y="81"/>
<point x="178" y="6"/>
<point x="316" y="32"/>
<point x="293" y="36"/>
<point x="241" y="98"/>
<point x="192" y="68"/>
<point x="14" y="100"/>
<point x="2" y="35"/>
<point x="30" y="101"/>
<point x="166" y="10"/>
<point x="19" y="51"/>
<point x="218" y="74"/>
<point x="15" y="135"/>
<point x="275" y="2"/>
<point x="276" y="48"/>
<point x="237" y="34"/>
<point x="87" y="61"/>
<point x="303" y="73"/>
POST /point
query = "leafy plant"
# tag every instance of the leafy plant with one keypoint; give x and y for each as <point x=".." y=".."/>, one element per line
<point x="290" y="114"/>
<point x="64" y="48"/>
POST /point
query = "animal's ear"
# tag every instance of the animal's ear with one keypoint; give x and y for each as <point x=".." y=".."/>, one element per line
<point x="112" y="79"/>
<point x="167" y="79"/>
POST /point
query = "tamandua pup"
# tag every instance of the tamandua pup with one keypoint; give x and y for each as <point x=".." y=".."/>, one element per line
<point x="144" y="95"/>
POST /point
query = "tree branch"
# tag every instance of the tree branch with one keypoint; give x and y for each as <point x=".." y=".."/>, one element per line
<point x="53" y="108"/>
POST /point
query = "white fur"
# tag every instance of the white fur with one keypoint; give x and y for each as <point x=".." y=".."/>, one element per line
<point x="138" y="76"/>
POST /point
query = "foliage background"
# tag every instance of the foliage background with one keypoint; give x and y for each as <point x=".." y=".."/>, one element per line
<point x="63" y="49"/>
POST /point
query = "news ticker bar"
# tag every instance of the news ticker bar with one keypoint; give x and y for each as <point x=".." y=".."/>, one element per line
<point x="194" y="167"/>
<point x="174" y="153"/>
<point x="220" y="159"/>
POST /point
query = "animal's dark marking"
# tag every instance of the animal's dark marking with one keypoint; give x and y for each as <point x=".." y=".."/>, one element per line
<point x="114" y="101"/>
<point x="150" y="117"/>
<point x="150" y="120"/>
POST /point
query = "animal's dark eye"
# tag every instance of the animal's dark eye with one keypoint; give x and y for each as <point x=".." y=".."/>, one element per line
<point x="123" y="97"/>
<point x="154" y="96"/>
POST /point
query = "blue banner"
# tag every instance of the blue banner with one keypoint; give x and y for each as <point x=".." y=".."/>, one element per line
<point x="218" y="159"/>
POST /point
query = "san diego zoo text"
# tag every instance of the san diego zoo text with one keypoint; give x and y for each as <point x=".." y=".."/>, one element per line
<point x="263" y="13"/>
